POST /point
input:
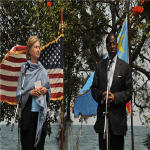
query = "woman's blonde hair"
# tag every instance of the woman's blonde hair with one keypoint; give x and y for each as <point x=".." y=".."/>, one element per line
<point x="31" y="41"/>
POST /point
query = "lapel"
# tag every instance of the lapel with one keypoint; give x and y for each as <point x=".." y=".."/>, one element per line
<point x="116" y="71"/>
<point x="117" y="67"/>
<point x="104" y="71"/>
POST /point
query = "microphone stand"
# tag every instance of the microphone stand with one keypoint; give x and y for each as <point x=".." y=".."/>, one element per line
<point x="106" y="124"/>
<point x="18" y="109"/>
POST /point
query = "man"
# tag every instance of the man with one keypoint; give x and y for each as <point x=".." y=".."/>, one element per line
<point x="116" y="74"/>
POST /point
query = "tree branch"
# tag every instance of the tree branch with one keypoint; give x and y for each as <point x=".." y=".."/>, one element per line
<point x="140" y="106"/>
<point x="142" y="56"/>
<point x="138" y="49"/>
<point x="141" y="70"/>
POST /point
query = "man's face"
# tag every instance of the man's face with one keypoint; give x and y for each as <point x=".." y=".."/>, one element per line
<point x="112" y="46"/>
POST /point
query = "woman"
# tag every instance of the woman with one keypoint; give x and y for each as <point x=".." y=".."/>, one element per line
<point x="35" y="95"/>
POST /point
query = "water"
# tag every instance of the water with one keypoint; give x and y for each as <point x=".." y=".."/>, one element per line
<point x="88" y="138"/>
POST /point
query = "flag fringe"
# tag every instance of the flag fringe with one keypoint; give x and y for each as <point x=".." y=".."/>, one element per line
<point x="43" y="47"/>
<point x="8" y="102"/>
<point x="60" y="98"/>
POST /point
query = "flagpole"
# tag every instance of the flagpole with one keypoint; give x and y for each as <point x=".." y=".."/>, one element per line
<point x="62" y="103"/>
<point x="132" y="133"/>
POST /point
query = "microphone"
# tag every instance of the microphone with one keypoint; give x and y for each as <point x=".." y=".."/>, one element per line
<point x="27" y="66"/>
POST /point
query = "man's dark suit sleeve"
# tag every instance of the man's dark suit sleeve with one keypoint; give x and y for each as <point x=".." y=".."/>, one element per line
<point x="96" y="92"/>
<point x="126" y="94"/>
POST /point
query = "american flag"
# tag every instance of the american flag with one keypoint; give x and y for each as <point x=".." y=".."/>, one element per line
<point x="51" y="58"/>
<point x="9" y="73"/>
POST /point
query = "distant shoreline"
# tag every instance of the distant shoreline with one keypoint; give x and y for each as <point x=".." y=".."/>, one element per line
<point x="84" y="124"/>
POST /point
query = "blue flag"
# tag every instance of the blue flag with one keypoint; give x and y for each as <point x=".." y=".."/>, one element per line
<point x="122" y="41"/>
<point x="85" y="105"/>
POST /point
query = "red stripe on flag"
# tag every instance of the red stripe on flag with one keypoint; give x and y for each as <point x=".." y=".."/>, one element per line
<point x="59" y="75"/>
<point x="19" y="48"/>
<point x="56" y="85"/>
<point x="56" y="95"/>
<point x="14" y="69"/>
<point x="9" y="78"/>
<point x="8" y="88"/>
<point x="16" y="60"/>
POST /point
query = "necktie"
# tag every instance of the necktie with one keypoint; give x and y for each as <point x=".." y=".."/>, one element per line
<point x="110" y="72"/>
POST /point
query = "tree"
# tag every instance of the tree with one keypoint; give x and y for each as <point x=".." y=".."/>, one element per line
<point x="88" y="22"/>
<point x="140" y="37"/>
<point x="37" y="18"/>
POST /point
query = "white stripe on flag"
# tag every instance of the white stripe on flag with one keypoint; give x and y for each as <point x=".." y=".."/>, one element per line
<point x="12" y="64"/>
<point x="9" y="83"/>
<point x="8" y="93"/>
<point x="57" y="80"/>
<point x="56" y="89"/>
<point x="18" y="55"/>
<point x="55" y="71"/>
<point x="9" y="73"/>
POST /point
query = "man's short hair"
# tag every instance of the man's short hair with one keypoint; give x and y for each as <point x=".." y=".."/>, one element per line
<point x="109" y="35"/>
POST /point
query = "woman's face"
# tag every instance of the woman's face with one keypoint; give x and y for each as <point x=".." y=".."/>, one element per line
<point x="35" y="51"/>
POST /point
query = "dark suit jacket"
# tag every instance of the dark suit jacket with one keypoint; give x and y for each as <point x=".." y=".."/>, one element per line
<point x="121" y="88"/>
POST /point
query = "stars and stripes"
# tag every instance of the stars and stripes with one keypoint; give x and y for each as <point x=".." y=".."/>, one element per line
<point x="51" y="58"/>
<point x="9" y="73"/>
